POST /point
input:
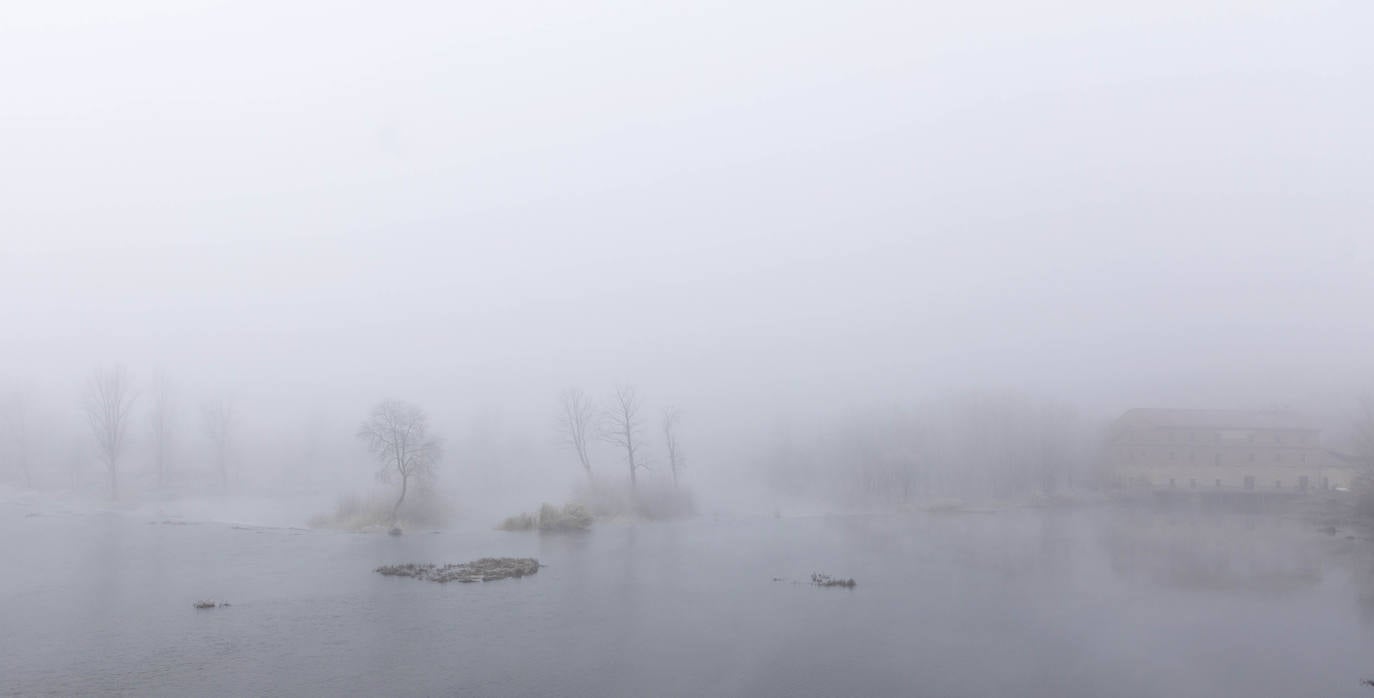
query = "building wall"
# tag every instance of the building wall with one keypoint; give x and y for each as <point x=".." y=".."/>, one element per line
<point x="1263" y="478"/>
<point x="1192" y="457"/>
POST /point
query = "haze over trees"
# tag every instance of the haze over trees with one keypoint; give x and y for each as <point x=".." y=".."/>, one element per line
<point x="14" y="422"/>
<point x="671" y="417"/>
<point x="576" y="420"/>
<point x="218" y="416"/>
<point x="974" y="445"/>
<point x="109" y="406"/>
<point x="1364" y="435"/>
<point x="397" y="435"/>
<point x="622" y="426"/>
<point x="160" y="413"/>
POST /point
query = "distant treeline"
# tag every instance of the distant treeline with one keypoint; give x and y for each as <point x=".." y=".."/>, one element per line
<point x="968" y="446"/>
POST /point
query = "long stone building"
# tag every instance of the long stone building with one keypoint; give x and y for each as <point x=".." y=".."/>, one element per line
<point x="1221" y="449"/>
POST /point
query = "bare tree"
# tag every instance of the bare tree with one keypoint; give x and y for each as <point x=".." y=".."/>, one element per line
<point x="160" y="427"/>
<point x="109" y="406"/>
<point x="676" y="460"/>
<point x="576" y="416"/>
<point x="219" y="427"/>
<point x="16" y="423"/>
<point x="621" y="427"/>
<point x="397" y="435"/>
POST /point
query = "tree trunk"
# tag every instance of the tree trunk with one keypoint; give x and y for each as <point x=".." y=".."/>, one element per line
<point x="114" y="481"/>
<point x="396" y="509"/>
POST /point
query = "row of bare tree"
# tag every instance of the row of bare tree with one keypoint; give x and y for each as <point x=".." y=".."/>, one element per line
<point x="108" y="402"/>
<point x="620" y="423"/>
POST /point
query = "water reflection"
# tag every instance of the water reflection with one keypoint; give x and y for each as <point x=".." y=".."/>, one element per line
<point x="1221" y="552"/>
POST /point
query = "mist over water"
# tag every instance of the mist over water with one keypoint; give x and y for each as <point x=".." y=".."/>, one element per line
<point x="745" y="292"/>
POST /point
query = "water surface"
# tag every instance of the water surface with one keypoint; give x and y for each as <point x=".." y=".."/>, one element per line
<point x="1025" y="602"/>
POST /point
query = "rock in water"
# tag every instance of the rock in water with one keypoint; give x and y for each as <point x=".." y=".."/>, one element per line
<point x="486" y="569"/>
<point x="825" y="580"/>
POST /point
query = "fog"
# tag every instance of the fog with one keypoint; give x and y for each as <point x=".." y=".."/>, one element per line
<point x="876" y="257"/>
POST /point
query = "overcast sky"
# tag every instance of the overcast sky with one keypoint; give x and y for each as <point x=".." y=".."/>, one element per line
<point x="749" y="204"/>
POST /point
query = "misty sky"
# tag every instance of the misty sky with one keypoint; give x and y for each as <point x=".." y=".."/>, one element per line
<point x="743" y="204"/>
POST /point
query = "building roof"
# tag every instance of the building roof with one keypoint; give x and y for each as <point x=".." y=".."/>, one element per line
<point x="1214" y="419"/>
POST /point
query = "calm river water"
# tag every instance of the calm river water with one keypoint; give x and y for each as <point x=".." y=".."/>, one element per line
<point x="1025" y="603"/>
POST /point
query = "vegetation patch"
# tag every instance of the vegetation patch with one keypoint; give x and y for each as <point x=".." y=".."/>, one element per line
<point x="649" y="501"/>
<point x="572" y="517"/>
<point x="520" y="522"/>
<point x="209" y="604"/>
<point x="551" y="519"/>
<point x="486" y="569"/>
<point x="424" y="509"/>
<point x="601" y="501"/>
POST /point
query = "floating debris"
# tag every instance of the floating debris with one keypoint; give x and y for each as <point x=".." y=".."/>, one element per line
<point x="825" y="580"/>
<point x="210" y="604"/>
<point x="484" y="570"/>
